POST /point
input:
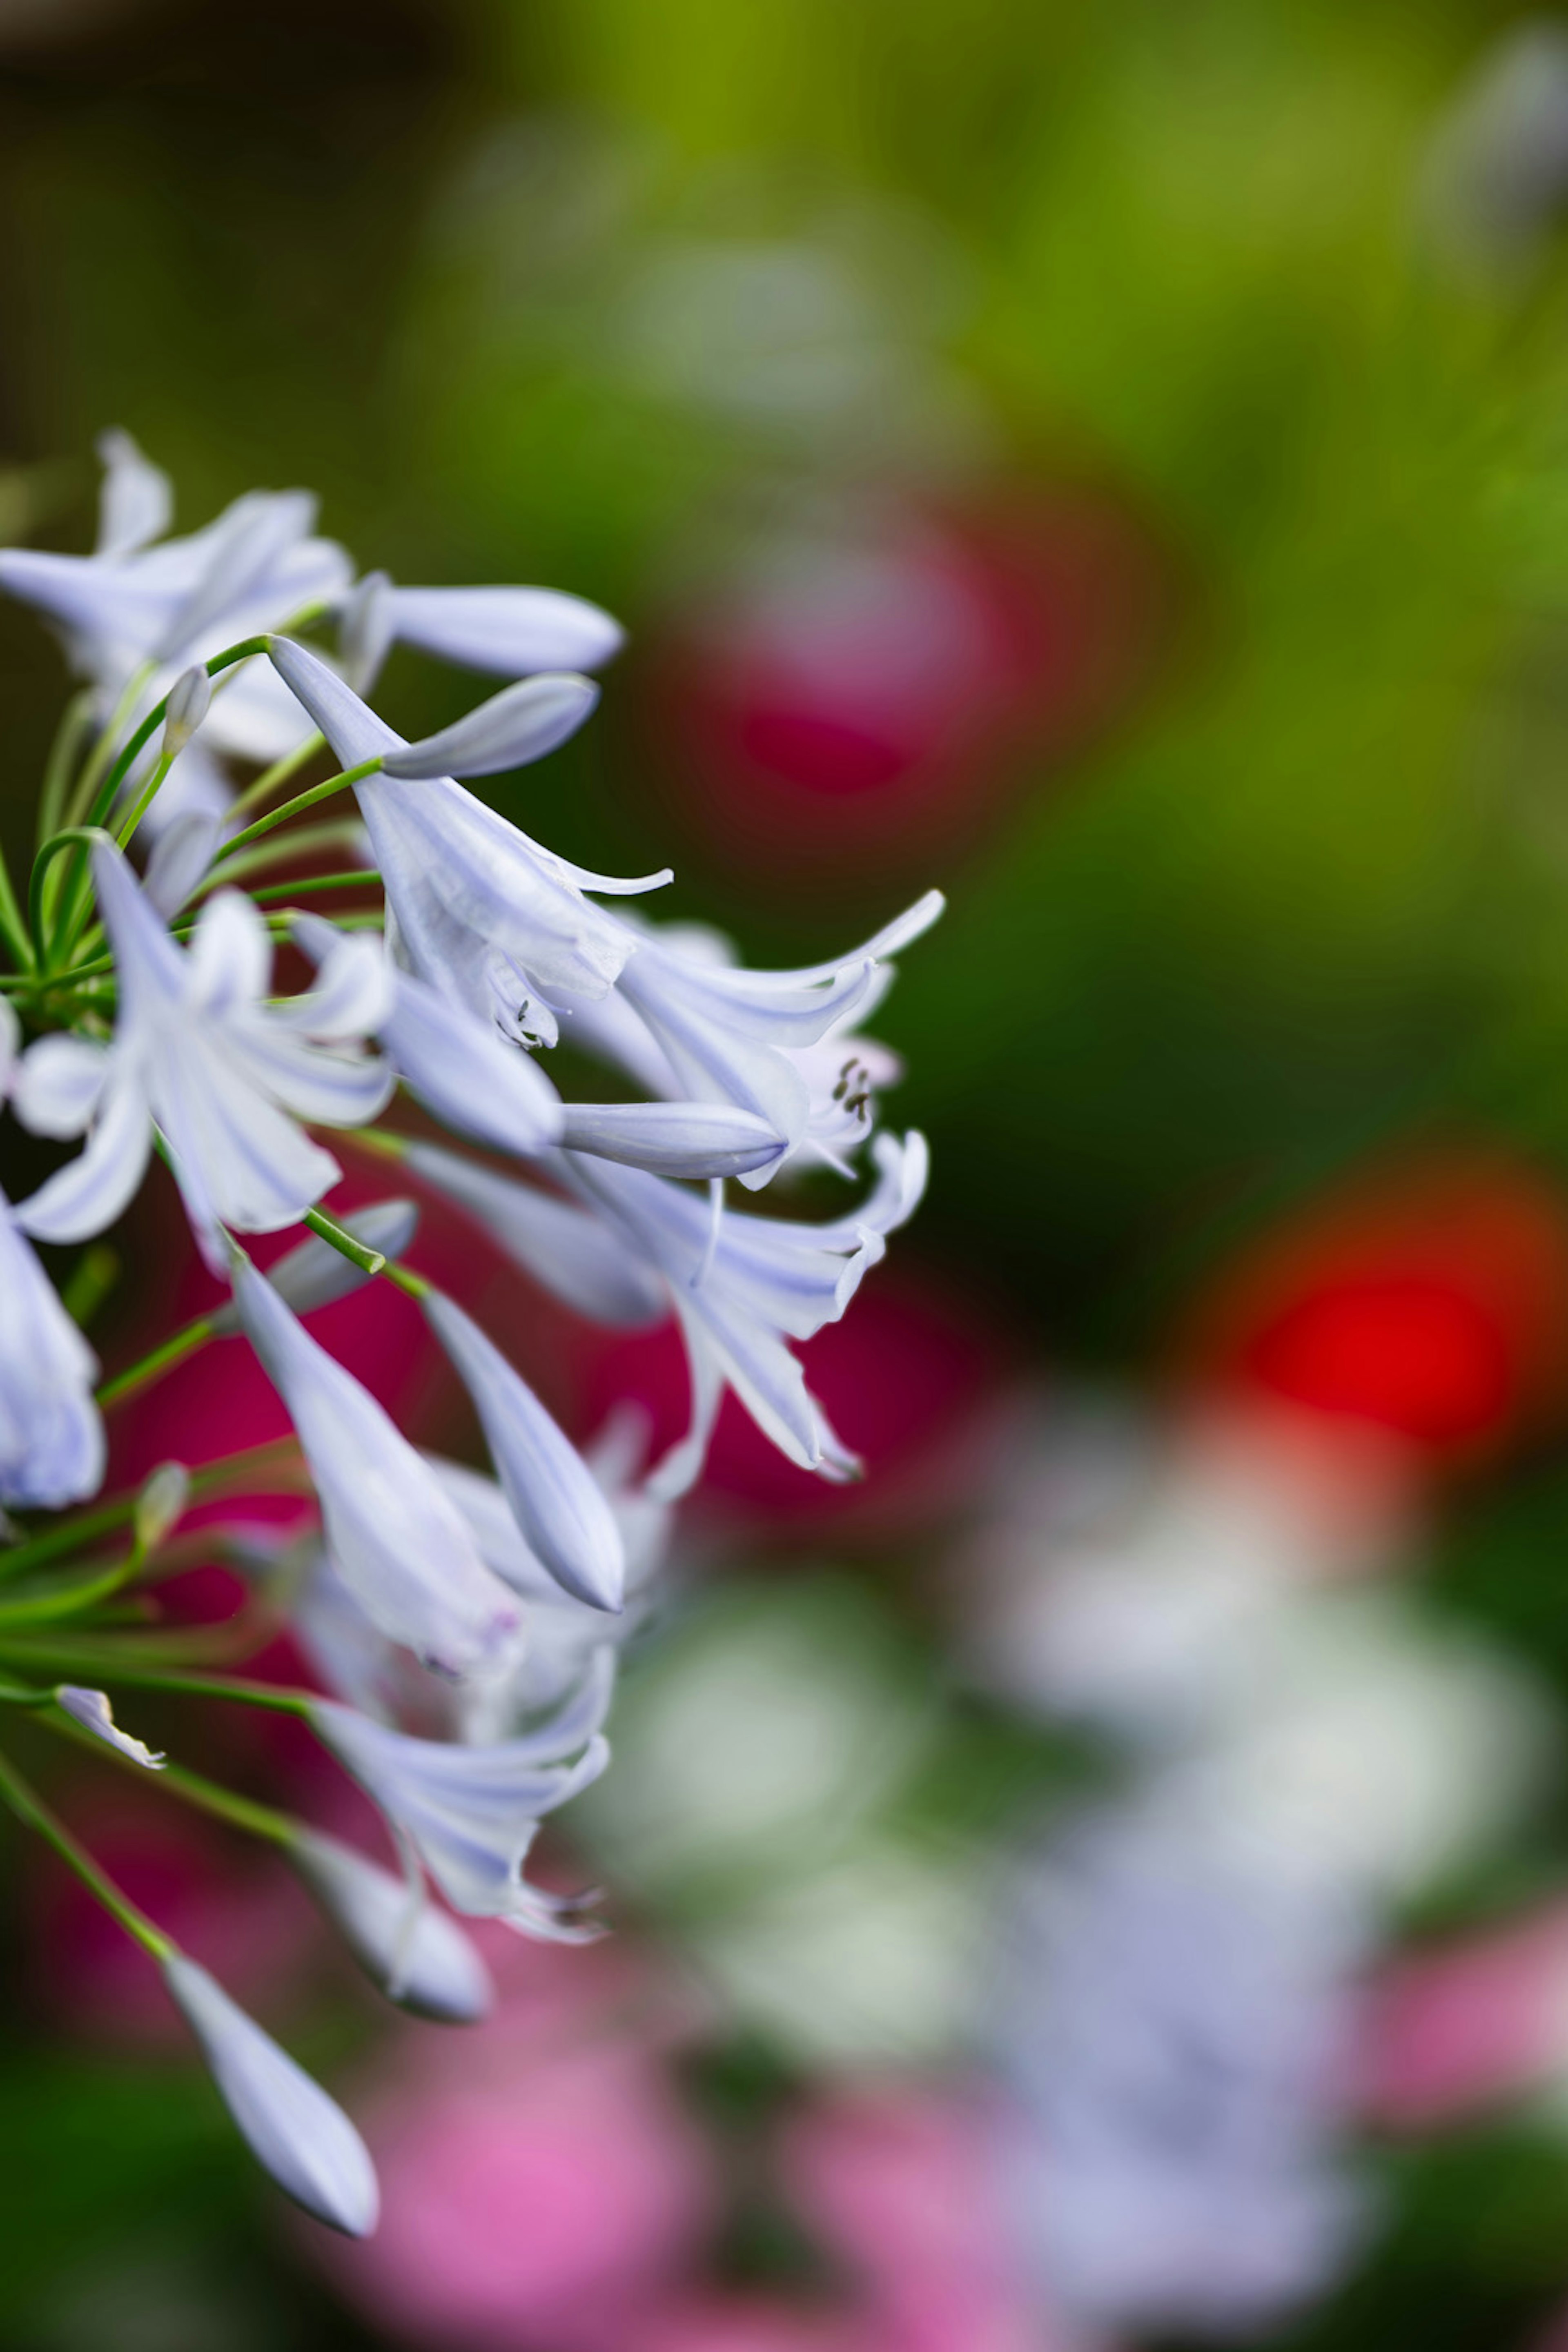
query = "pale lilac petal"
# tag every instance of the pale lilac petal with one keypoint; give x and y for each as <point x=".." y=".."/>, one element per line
<point x="185" y="847"/>
<point x="559" y="1506"/>
<point x="701" y="1141"/>
<point x="510" y="631"/>
<point x="401" y="1547"/>
<point x="564" y="1247"/>
<point x="228" y="964"/>
<point x="51" y="1435"/>
<point x="91" y="1192"/>
<point x="60" y="1084"/>
<point x="417" y="1953"/>
<point x="136" y="501"/>
<point x="91" y="1709"/>
<point x="522" y="723"/>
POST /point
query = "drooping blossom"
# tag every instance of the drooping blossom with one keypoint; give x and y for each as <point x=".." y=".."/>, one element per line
<point x="52" y="1437"/>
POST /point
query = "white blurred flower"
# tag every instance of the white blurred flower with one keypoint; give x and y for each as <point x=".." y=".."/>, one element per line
<point x="51" y="1435"/>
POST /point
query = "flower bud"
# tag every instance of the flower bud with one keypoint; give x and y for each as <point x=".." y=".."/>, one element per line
<point x="417" y="1955"/>
<point x="161" y="1503"/>
<point x="292" y="2129"/>
<point x="185" y="709"/>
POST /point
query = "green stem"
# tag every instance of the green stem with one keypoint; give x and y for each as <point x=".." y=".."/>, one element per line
<point x="11" y="923"/>
<point x="66" y="1600"/>
<point x="158" y="1361"/>
<point x="276" y="893"/>
<point x="368" y="1261"/>
<point x="211" y="1478"/>
<point x="102" y="751"/>
<point x="146" y="796"/>
<point x="415" y="1285"/>
<point x="74" y="838"/>
<point x="74" y="895"/>
<point x="75" y="726"/>
<point x="278" y="774"/>
<point x="261" y="1821"/>
<point x="340" y="834"/>
<point x="30" y="1809"/>
<point x="268" y="1696"/>
<point x="302" y="800"/>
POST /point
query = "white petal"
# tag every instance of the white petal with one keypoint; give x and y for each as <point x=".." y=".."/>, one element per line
<point x="702" y="1140"/>
<point x="239" y="1158"/>
<point x="365" y="631"/>
<point x="354" y="992"/>
<point x="350" y="726"/>
<point x="567" y="1249"/>
<point x="471" y="1813"/>
<point x="562" y="1511"/>
<point x="400" y="1545"/>
<point x="136" y="502"/>
<point x="91" y="1709"/>
<point x="152" y="968"/>
<point x="51" y="1434"/>
<point x="521" y="724"/>
<point x="229" y="962"/>
<point x="88" y="1194"/>
<point x="471" y="1077"/>
<point x="293" y="2129"/>
<point x="60" y="1085"/>
<point x="96" y="600"/>
<point x="415" y="1953"/>
<point x="244" y="547"/>
<point x="10" y="1045"/>
<point x="510" y="631"/>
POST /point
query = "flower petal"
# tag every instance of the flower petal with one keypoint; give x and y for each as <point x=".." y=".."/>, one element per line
<point x="510" y="631"/>
<point x="136" y="502"/>
<point x="521" y="724"/>
<point x="564" y="1247"/>
<point x="60" y="1085"/>
<point x="701" y="1140"/>
<point x="558" y="1505"/>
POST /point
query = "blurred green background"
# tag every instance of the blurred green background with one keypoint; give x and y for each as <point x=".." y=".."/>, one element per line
<point x="628" y="299"/>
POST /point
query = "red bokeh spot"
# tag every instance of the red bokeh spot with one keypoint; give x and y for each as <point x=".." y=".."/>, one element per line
<point x="1431" y="1302"/>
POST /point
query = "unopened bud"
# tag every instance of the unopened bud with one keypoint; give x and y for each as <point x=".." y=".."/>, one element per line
<point x="161" y="1503"/>
<point x="185" y="709"/>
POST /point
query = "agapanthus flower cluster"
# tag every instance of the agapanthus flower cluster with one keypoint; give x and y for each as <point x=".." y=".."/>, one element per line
<point x="462" y="1628"/>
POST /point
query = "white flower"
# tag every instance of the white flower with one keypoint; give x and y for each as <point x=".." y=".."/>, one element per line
<point x="402" y="1548"/>
<point x="477" y="910"/>
<point x="471" y="1813"/>
<point x="686" y="1021"/>
<point x="560" y="1509"/>
<point x="91" y="1709"/>
<point x="293" y="2129"/>
<point x="52" y="1437"/>
<point x="461" y="1067"/>
<point x="742" y="1289"/>
<point x="197" y="1052"/>
<point x="185" y="600"/>
<point x="419" y="1956"/>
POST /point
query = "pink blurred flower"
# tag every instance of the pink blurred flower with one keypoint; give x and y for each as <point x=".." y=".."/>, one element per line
<point x="540" y="2179"/>
<point x="1483" y="2021"/>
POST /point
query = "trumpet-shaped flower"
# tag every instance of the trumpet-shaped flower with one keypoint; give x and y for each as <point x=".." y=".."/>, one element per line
<point x="742" y="1289"/>
<point x="555" y="1500"/>
<point x="293" y="2129"/>
<point x="417" y="1955"/>
<point x="51" y="1438"/>
<point x="403" y="1549"/>
<point x="474" y="1079"/>
<point x="471" y="1813"/>
<point x="689" y="1022"/>
<point x="198" y="1055"/>
<point x="481" y="913"/>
